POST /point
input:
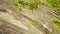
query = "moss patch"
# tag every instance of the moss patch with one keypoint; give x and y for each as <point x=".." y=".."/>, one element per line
<point x="55" y="4"/>
<point x="56" y="24"/>
<point x="32" y="5"/>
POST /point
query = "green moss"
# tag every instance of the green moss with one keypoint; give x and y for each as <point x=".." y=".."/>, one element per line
<point x="36" y="24"/>
<point x="19" y="9"/>
<point x="56" y="24"/>
<point x="55" y="4"/>
<point x="30" y="5"/>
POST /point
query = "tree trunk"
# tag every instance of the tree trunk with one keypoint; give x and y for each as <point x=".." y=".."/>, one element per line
<point x="18" y="23"/>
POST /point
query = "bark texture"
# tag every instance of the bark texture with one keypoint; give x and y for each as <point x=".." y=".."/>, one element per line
<point x="12" y="22"/>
